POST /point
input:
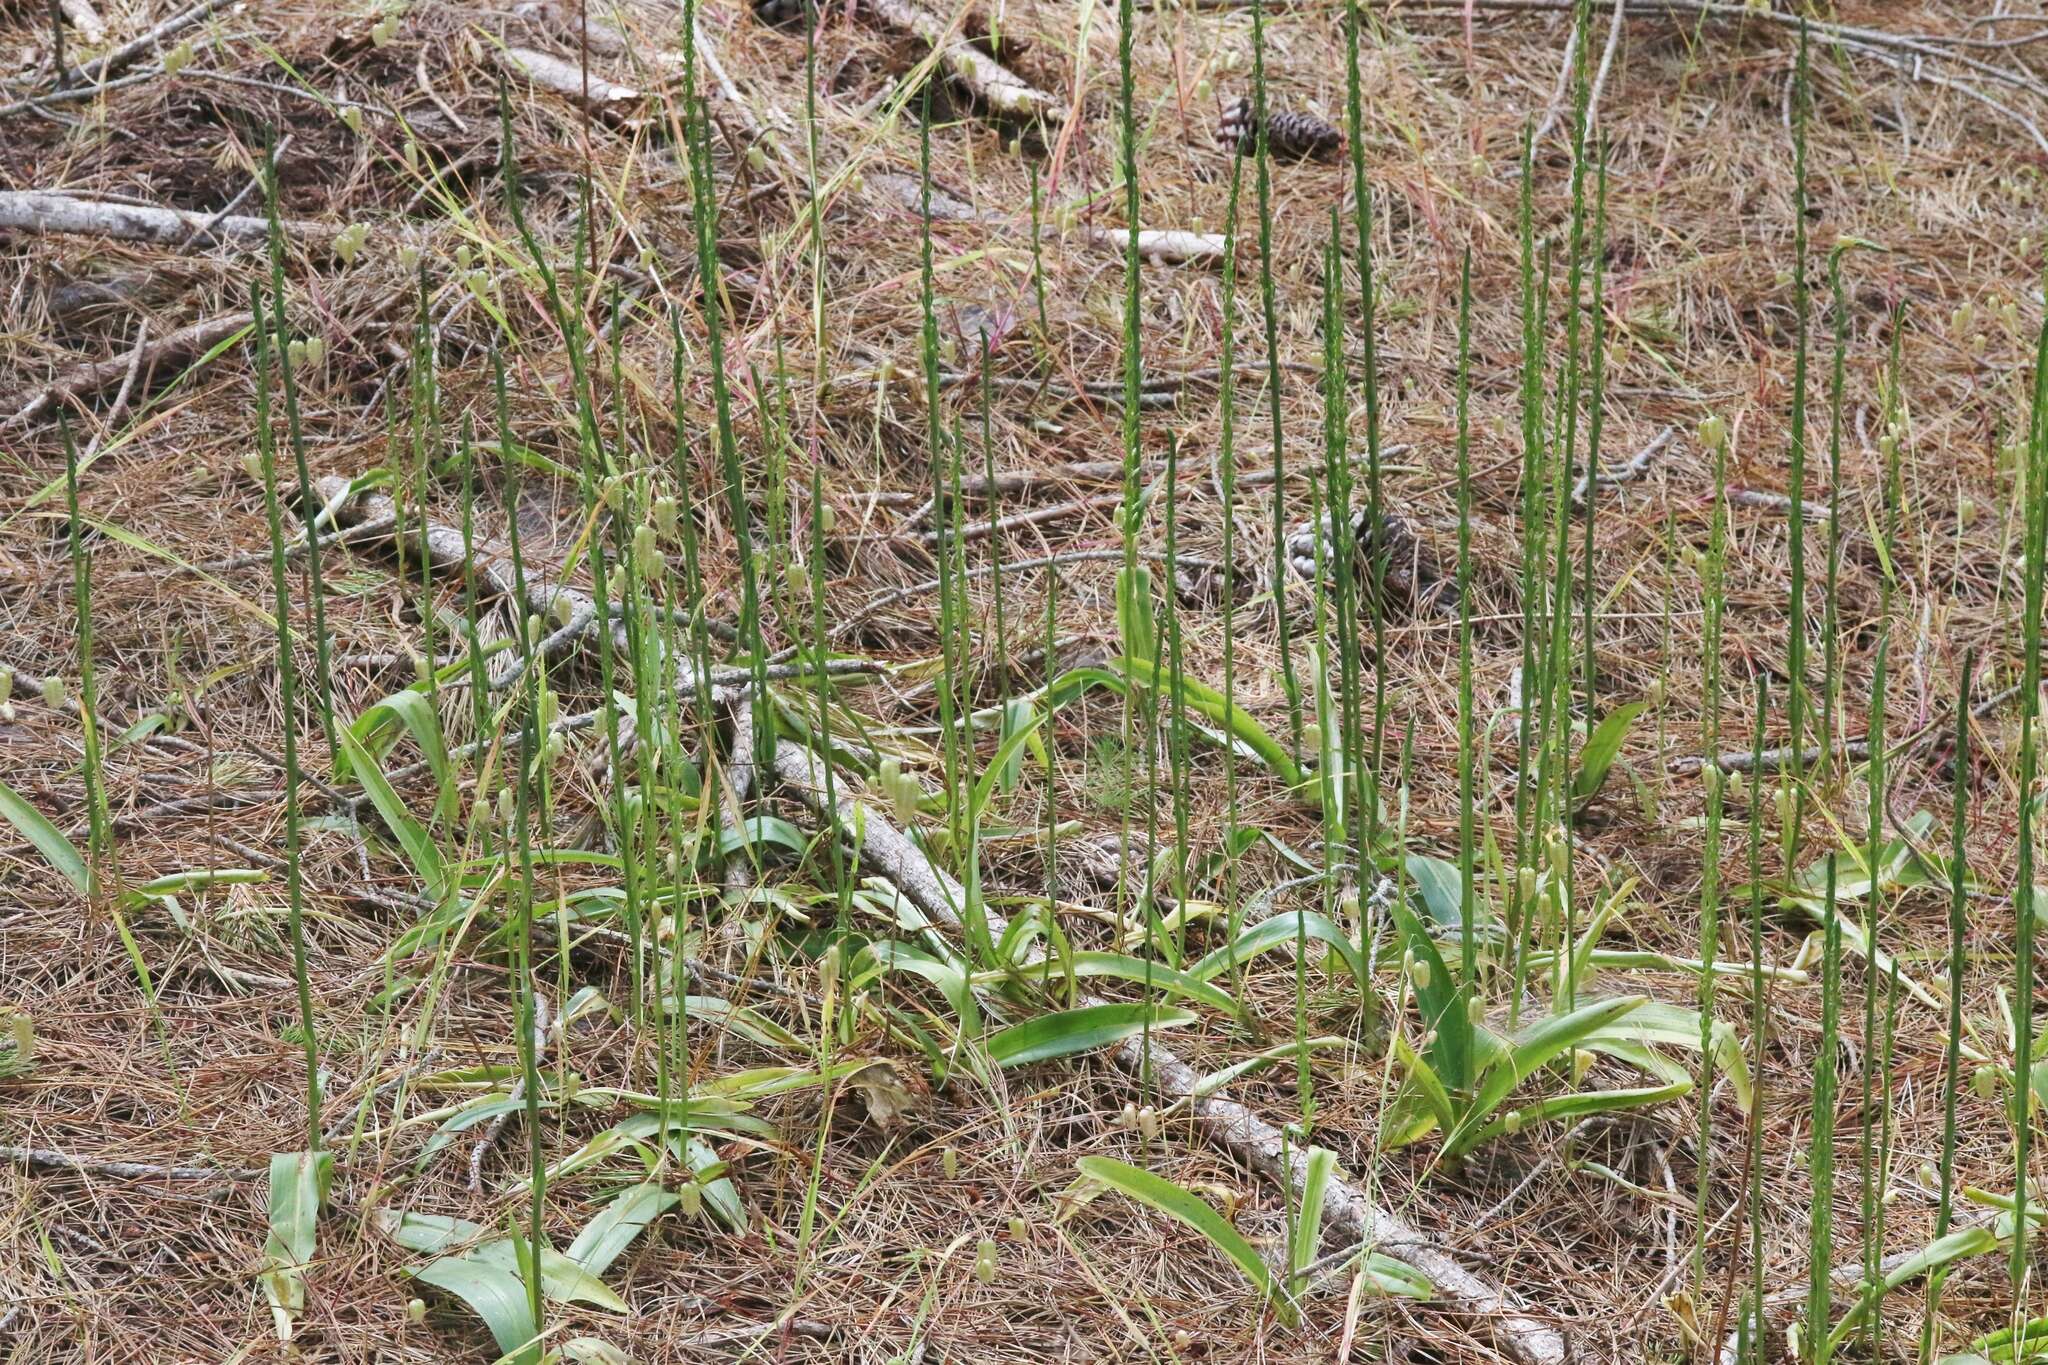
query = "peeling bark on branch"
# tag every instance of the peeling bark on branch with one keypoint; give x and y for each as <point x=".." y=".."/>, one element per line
<point x="40" y="211"/>
<point x="988" y="80"/>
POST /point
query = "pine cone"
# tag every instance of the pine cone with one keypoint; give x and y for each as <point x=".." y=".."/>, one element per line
<point x="1288" y="134"/>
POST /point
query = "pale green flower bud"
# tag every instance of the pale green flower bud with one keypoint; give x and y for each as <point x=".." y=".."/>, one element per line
<point x="348" y="242"/>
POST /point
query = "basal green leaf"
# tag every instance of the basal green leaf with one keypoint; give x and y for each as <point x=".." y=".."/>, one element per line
<point x="617" y="1224"/>
<point x="1271" y="933"/>
<point x="1598" y="755"/>
<point x="1078" y="1030"/>
<point x="298" y="1186"/>
<point x="495" y="1294"/>
<point x="1175" y="1202"/>
<point x="420" y="848"/>
<point x="35" y="827"/>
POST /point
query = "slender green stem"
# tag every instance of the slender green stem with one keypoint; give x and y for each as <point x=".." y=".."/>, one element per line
<point x="287" y="681"/>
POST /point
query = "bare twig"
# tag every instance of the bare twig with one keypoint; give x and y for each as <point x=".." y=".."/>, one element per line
<point x="96" y="375"/>
<point x="541" y="1039"/>
<point x="1638" y="465"/>
<point x="135" y="357"/>
<point x="38" y="211"/>
<point x="122" y="1170"/>
<point x="205" y="231"/>
<point x="988" y="80"/>
<point x="564" y="78"/>
<point x="1167" y="246"/>
<point x="1035" y="516"/>
<point x="1763" y="500"/>
<point x="96" y="71"/>
<point x="1555" y="108"/>
<point x="1843" y="1280"/>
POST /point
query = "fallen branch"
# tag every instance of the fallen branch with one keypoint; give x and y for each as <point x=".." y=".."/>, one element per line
<point x="122" y="1170"/>
<point x="137" y="353"/>
<point x="1638" y="465"/>
<point x="1770" y="760"/>
<point x="1036" y="516"/>
<point x="40" y="211"/>
<point x="988" y="80"/>
<point x="1224" y="1122"/>
<point x="443" y="548"/>
<point x="96" y="71"/>
<point x="1854" y="750"/>
<point x="740" y="780"/>
<point x="93" y="376"/>
<point x="1815" y="509"/>
<point x="205" y="232"/>
<point x="565" y="78"/>
<point x="496" y="1130"/>
<point x="1164" y="246"/>
<point x="83" y="17"/>
<point x="1011" y="481"/>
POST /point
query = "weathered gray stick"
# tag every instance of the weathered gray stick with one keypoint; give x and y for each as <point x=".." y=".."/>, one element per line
<point x="42" y="211"/>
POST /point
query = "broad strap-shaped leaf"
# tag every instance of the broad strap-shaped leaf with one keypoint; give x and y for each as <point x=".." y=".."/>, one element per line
<point x="1442" y="1001"/>
<point x="1588" y="937"/>
<point x="2006" y="1345"/>
<point x="35" y="827"/>
<point x="495" y="1294"/>
<point x="298" y="1186"/>
<point x="1597" y="757"/>
<point x="1441" y="887"/>
<point x="1655" y="1023"/>
<point x="1066" y="1032"/>
<point x="617" y="1224"/>
<point x="1859" y="941"/>
<point x="482" y="1109"/>
<point x="410" y="710"/>
<point x="1018" y="732"/>
<point x="1223" y="1077"/>
<point x="1320" y="1169"/>
<point x="561" y="1279"/>
<point x="1238" y="726"/>
<point x="1396" y="1278"/>
<point x="953" y="983"/>
<point x="420" y="848"/>
<point x="1136" y="626"/>
<point x="1126" y="968"/>
<point x="1162" y="1195"/>
<point x="1433" y="1101"/>
<point x="1577" y="1105"/>
<point x="1959" y="1245"/>
<point x="758" y="831"/>
<point x="1270" y="933"/>
<point x="429" y="1232"/>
